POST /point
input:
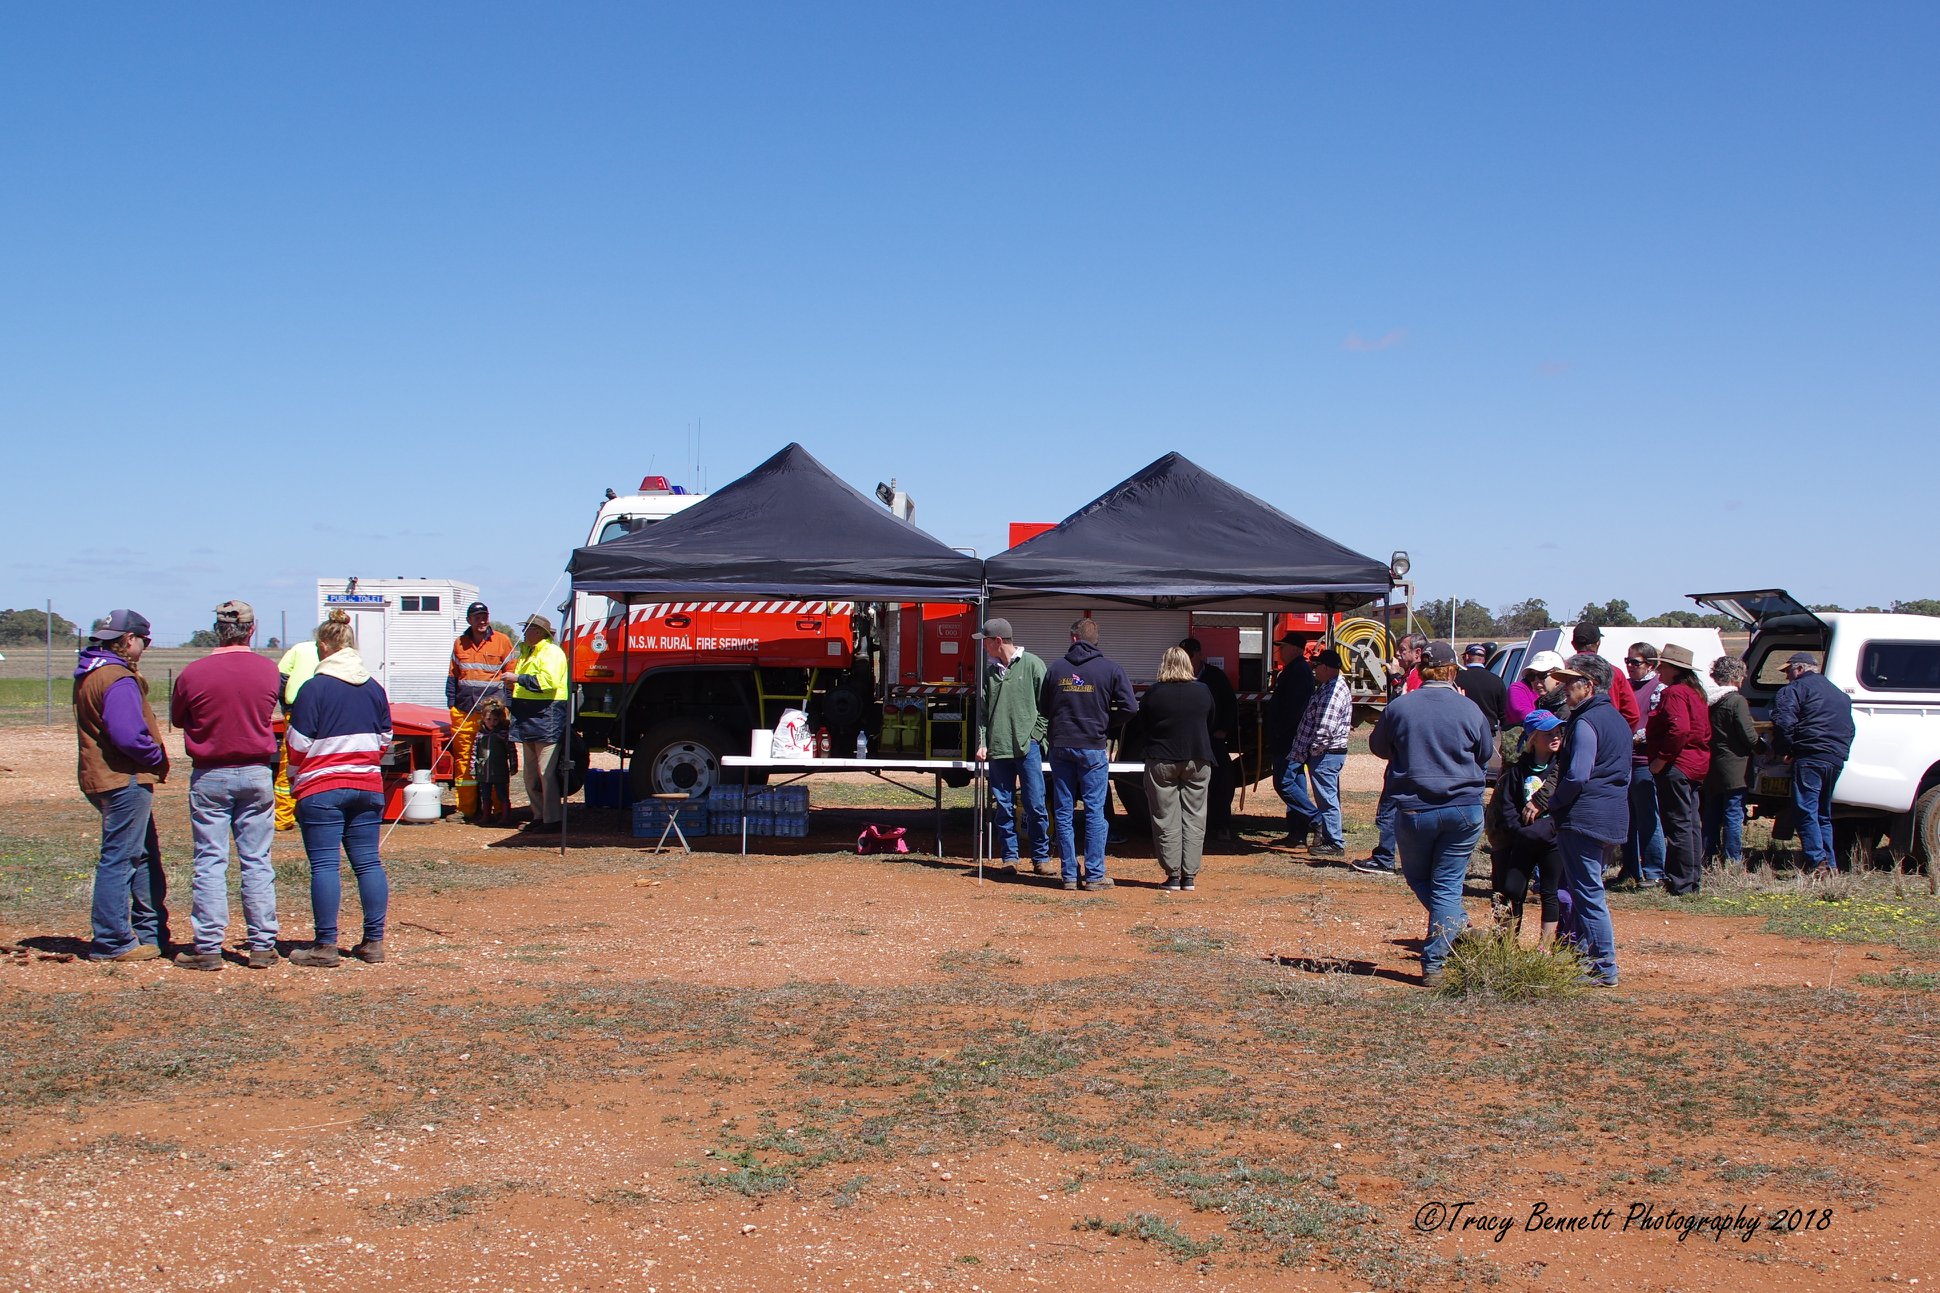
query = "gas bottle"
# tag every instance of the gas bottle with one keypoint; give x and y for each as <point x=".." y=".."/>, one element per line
<point x="821" y="743"/>
<point x="423" y="801"/>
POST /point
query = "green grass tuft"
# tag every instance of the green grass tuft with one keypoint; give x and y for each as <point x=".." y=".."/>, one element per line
<point x="1154" y="1229"/>
<point x="1497" y="967"/>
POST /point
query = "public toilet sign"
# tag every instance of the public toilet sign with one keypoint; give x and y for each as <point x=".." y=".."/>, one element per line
<point x="355" y="599"/>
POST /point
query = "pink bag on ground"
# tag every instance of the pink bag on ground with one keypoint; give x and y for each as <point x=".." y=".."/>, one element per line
<point x="881" y="839"/>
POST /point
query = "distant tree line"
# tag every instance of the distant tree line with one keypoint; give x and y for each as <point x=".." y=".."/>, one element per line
<point x="24" y="628"/>
<point x="1474" y="620"/>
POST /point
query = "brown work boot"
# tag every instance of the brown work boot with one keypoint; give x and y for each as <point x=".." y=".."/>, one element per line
<point x="199" y="960"/>
<point x="370" y="951"/>
<point x="139" y="952"/>
<point x="260" y="958"/>
<point x="317" y="956"/>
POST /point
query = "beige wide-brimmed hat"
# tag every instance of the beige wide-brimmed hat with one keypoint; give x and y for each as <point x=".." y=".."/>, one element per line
<point x="1678" y="655"/>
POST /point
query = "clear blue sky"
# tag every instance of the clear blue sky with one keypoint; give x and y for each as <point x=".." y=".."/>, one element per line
<point x="1569" y="301"/>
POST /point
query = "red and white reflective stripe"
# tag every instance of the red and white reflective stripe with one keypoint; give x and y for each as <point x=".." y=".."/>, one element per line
<point x="654" y="610"/>
<point x="935" y="689"/>
<point x="1254" y="695"/>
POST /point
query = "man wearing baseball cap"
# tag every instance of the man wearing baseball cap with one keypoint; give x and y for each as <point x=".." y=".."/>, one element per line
<point x="223" y="704"/>
<point x="1476" y="682"/>
<point x="121" y="761"/>
<point x="1010" y="734"/>
<point x="1437" y="745"/>
<point x="477" y="658"/>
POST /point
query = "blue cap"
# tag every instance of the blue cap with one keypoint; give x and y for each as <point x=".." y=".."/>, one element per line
<point x="1541" y="720"/>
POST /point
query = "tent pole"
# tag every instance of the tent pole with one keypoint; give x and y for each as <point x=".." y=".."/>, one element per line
<point x="975" y="717"/>
<point x="566" y="738"/>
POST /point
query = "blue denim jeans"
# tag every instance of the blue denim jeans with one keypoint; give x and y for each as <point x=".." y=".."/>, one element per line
<point x="1724" y="827"/>
<point x="1812" y="782"/>
<point x="1384" y="814"/>
<point x="1325" y="772"/>
<point x="1643" y="851"/>
<point x="1010" y="780"/>
<point x="1290" y="780"/>
<point x="1435" y="847"/>
<point x="237" y="803"/>
<point x="130" y="890"/>
<point x="1596" y="939"/>
<point x="1075" y="775"/>
<point x="353" y="821"/>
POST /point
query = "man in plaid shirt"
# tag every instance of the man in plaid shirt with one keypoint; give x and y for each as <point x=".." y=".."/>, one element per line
<point x="1321" y="743"/>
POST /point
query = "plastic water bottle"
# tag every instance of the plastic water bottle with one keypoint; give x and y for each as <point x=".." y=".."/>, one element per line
<point x="861" y="745"/>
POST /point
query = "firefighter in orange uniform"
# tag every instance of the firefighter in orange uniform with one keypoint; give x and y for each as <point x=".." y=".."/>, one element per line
<point x="477" y="657"/>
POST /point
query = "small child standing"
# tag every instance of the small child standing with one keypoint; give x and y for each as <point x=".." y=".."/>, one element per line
<point x="1524" y="834"/>
<point x="494" y="760"/>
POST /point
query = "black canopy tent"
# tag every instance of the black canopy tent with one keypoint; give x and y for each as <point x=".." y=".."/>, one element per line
<point x="790" y="528"/>
<point x="1174" y="536"/>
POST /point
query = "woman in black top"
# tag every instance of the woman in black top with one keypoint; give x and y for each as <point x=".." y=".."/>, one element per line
<point x="1175" y="719"/>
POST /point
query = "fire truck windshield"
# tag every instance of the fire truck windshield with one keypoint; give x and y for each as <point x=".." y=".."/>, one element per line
<point x="620" y="525"/>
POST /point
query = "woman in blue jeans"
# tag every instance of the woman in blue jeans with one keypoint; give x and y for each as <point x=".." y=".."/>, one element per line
<point x="1437" y="743"/>
<point x="340" y="729"/>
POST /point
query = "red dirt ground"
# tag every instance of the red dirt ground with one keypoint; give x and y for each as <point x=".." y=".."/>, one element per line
<point x="308" y="1164"/>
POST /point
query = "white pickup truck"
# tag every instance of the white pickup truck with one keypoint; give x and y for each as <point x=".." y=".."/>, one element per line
<point x="1890" y="666"/>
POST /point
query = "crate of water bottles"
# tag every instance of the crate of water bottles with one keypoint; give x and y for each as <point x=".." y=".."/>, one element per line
<point x="650" y="817"/>
<point x="771" y="811"/>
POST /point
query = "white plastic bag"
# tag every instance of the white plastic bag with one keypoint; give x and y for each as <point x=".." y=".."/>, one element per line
<point x="792" y="738"/>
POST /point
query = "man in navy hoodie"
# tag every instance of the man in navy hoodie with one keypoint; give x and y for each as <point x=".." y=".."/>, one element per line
<point x="1083" y="695"/>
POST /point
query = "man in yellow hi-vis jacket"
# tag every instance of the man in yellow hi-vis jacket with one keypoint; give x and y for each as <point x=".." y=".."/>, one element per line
<point x="296" y="666"/>
<point x="477" y="658"/>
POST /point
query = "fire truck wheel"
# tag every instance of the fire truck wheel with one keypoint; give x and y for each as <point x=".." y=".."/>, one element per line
<point x="680" y="756"/>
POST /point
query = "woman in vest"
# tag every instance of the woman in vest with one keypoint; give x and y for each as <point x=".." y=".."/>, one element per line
<point x="1591" y="805"/>
<point x="340" y="730"/>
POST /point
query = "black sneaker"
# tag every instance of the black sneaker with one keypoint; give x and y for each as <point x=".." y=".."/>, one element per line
<point x="1326" y="851"/>
<point x="1289" y="842"/>
<point x="1187" y="887"/>
<point x="1171" y="886"/>
<point x="1368" y="866"/>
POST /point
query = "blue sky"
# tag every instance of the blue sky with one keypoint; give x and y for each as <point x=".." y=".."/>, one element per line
<point x="1569" y="301"/>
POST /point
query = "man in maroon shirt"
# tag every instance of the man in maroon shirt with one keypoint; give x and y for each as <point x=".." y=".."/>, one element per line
<point x="223" y="704"/>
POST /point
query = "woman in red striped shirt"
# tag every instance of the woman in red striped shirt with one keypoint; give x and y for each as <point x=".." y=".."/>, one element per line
<point x="340" y="730"/>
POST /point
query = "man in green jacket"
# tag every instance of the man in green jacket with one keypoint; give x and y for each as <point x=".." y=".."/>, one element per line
<point x="1010" y="735"/>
